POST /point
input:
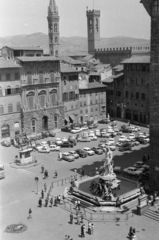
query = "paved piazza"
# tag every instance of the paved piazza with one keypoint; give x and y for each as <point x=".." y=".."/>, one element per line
<point x="18" y="194"/>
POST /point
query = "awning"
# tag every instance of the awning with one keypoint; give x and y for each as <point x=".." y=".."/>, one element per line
<point x="66" y="118"/>
<point x="72" y="117"/>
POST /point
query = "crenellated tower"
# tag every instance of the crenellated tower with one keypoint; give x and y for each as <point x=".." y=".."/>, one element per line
<point x="93" y="30"/>
<point x="53" y="28"/>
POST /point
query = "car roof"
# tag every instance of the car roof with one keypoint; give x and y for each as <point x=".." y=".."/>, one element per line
<point x="65" y="153"/>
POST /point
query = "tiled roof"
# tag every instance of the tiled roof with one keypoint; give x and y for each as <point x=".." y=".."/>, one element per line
<point x="70" y="60"/>
<point x="95" y="85"/>
<point x="24" y="48"/>
<point x="4" y="63"/>
<point x="67" y="69"/>
<point x="101" y="66"/>
<point x="118" y="75"/>
<point x="138" y="59"/>
<point x="108" y="80"/>
<point x="94" y="74"/>
<point x="38" y="59"/>
<point x="119" y="68"/>
<point x="88" y="57"/>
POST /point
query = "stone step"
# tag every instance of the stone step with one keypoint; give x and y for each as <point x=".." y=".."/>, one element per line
<point x="152" y="214"/>
<point x="84" y="204"/>
<point x="131" y="204"/>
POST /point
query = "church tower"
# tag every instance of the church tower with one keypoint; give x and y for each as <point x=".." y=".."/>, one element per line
<point x="53" y="27"/>
<point x="93" y="29"/>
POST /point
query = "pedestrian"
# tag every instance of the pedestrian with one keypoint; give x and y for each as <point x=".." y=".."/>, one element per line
<point x="51" y="201"/>
<point x="83" y="172"/>
<point x="30" y="213"/>
<point x="59" y="199"/>
<point x="66" y="238"/>
<point x="78" y="221"/>
<point x="40" y="202"/>
<point x="92" y="228"/>
<point x="76" y="203"/>
<point x="42" y="194"/>
<point x="45" y="187"/>
<point x="81" y="217"/>
<point x="71" y="218"/>
<point x="84" y="230"/>
<point x="130" y="232"/>
<point x="46" y="202"/>
<point x="89" y="227"/>
<point x="42" y="169"/>
<point x="55" y="174"/>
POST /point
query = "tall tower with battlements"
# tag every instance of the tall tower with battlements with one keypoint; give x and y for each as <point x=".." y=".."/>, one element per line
<point x="93" y="30"/>
<point x="53" y="27"/>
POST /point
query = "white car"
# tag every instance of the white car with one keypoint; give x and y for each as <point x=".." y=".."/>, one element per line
<point x="68" y="157"/>
<point x="110" y="130"/>
<point x="74" y="154"/>
<point x="84" y="139"/>
<point x="112" y="147"/>
<point x="64" y="139"/>
<point x="54" y="148"/>
<point x="116" y="129"/>
<point x="97" y="133"/>
<point x="58" y="141"/>
<point x="85" y="134"/>
<point x="132" y="136"/>
<point x="110" y="142"/>
<point x="133" y="171"/>
<point x="92" y="136"/>
<point x="76" y="130"/>
<point x="44" y="144"/>
<point x="89" y="151"/>
<point x="44" y="150"/>
<point x="84" y="128"/>
<point x="122" y="138"/>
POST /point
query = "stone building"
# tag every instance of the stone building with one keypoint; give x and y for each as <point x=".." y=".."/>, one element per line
<point x="152" y="7"/>
<point x="70" y="93"/>
<point x="136" y="88"/>
<point x="53" y="28"/>
<point x="42" y="107"/>
<point x="92" y="101"/>
<point x="10" y="99"/>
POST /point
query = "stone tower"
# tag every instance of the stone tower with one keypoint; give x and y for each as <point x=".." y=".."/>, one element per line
<point x="152" y="7"/>
<point x="53" y="28"/>
<point x="93" y="30"/>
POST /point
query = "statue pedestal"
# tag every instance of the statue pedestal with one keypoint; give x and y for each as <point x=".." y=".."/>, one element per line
<point x="108" y="177"/>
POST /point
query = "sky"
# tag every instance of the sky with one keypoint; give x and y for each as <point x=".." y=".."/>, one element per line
<point x="118" y="17"/>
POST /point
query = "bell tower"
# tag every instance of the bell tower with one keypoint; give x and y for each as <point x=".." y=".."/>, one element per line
<point x="53" y="28"/>
<point x="93" y="30"/>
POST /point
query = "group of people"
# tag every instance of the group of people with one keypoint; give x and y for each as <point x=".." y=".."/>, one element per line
<point x="90" y="229"/>
<point x="46" y="173"/>
<point x="132" y="234"/>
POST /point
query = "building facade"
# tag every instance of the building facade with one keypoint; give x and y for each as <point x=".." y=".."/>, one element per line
<point x="53" y="28"/>
<point x="92" y="101"/>
<point x="70" y="93"/>
<point x="152" y="7"/>
<point x="42" y="107"/>
<point x="10" y="99"/>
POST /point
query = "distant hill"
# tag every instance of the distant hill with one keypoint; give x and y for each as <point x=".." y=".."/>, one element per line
<point x="70" y="45"/>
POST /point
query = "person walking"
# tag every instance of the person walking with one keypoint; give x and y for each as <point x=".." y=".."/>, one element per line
<point x="83" y="172"/>
<point x="78" y="221"/>
<point x="59" y="199"/>
<point x="84" y="230"/>
<point x="42" y="194"/>
<point x="89" y="227"/>
<point x="42" y="169"/>
<point x="46" y="202"/>
<point x="40" y="202"/>
<point x="51" y="201"/>
<point x="71" y="218"/>
<point x="76" y="203"/>
<point x="30" y="213"/>
<point x="45" y="187"/>
<point x="81" y="217"/>
<point x="92" y="228"/>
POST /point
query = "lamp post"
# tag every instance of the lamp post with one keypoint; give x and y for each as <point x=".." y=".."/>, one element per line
<point x="36" y="180"/>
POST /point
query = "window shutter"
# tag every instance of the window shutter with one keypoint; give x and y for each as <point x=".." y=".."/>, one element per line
<point x="41" y="77"/>
<point x="1" y="110"/>
<point x="52" y="77"/>
<point x="42" y="101"/>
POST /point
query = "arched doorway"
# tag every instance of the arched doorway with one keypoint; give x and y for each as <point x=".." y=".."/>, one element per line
<point x="56" y="121"/>
<point x="128" y="114"/>
<point x="135" y="116"/>
<point x="45" y="123"/>
<point x="5" y="131"/>
<point x="118" y="112"/>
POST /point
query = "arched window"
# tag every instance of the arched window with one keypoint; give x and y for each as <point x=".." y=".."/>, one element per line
<point x="90" y="25"/>
<point x="5" y="131"/>
<point x="53" y="97"/>
<point x="29" y="78"/>
<point x="56" y="121"/>
<point x="33" y="125"/>
<point x="18" y="107"/>
<point x="52" y="76"/>
<point x="137" y="95"/>
<point x="1" y="109"/>
<point x="10" y="108"/>
<point x="42" y="99"/>
<point x="30" y="100"/>
<point x="8" y="90"/>
<point x="17" y="128"/>
<point x="41" y="77"/>
<point x="1" y="92"/>
<point x="143" y="96"/>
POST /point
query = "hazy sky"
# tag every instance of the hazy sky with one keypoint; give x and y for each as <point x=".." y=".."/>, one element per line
<point x="118" y="17"/>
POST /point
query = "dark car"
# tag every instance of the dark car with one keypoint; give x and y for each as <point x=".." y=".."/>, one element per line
<point x="141" y="140"/>
<point x="81" y="153"/>
<point x="67" y="144"/>
<point x="126" y="130"/>
<point x="104" y="121"/>
<point x="72" y="141"/>
<point x="66" y="129"/>
<point x="97" y="150"/>
<point x="145" y="175"/>
<point x="52" y="134"/>
<point x="6" y="143"/>
<point x="125" y="147"/>
<point x="45" y="134"/>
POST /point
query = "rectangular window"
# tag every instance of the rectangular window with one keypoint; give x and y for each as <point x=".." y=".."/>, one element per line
<point x="0" y="78"/>
<point x="42" y="101"/>
<point x="8" y="76"/>
<point x="90" y="102"/>
<point x="81" y="104"/>
<point x="41" y="77"/>
<point x="77" y="96"/>
<point x="84" y="103"/>
<point x="96" y="101"/>
<point x="143" y="68"/>
<point x="156" y="6"/>
<point x="91" y="109"/>
<point x="86" y="110"/>
<point x="17" y="76"/>
<point x="35" y="81"/>
<point x="71" y="107"/>
<point x="29" y="78"/>
<point x="31" y="102"/>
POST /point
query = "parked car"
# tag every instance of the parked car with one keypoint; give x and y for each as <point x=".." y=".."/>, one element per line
<point x="81" y="153"/>
<point x="45" y="134"/>
<point x="132" y="136"/>
<point x="54" y="148"/>
<point x="125" y="147"/>
<point x="6" y="143"/>
<point x="72" y="141"/>
<point x="78" y="137"/>
<point x="112" y="147"/>
<point x="110" y="142"/>
<point x="84" y="128"/>
<point x="122" y="138"/>
<point x="52" y="134"/>
<point x="97" y="150"/>
<point x="141" y="139"/>
<point x="58" y="141"/>
<point x="84" y="139"/>
<point x="89" y="151"/>
<point x="45" y="144"/>
<point x="97" y="132"/>
<point x="104" y="121"/>
<point x="37" y="147"/>
<point x="66" y="129"/>
<point x="74" y="154"/>
<point x="117" y="169"/>
<point x="66" y="156"/>
<point x="76" y="130"/>
<point x="116" y="129"/>
<point x="64" y="139"/>
<point x="133" y="171"/>
<point x="126" y="129"/>
<point x="92" y="137"/>
<point x="44" y="149"/>
<point x="67" y="144"/>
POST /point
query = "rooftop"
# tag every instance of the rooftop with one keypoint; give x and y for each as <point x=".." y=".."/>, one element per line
<point x="119" y="68"/>
<point x="25" y="48"/>
<point x="67" y="68"/>
<point x="137" y="59"/>
<point x="96" y="85"/>
<point x="71" y="60"/>
<point x="38" y="59"/>
<point x="118" y="75"/>
<point x="108" y="80"/>
<point x="101" y="66"/>
<point x="4" y="63"/>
